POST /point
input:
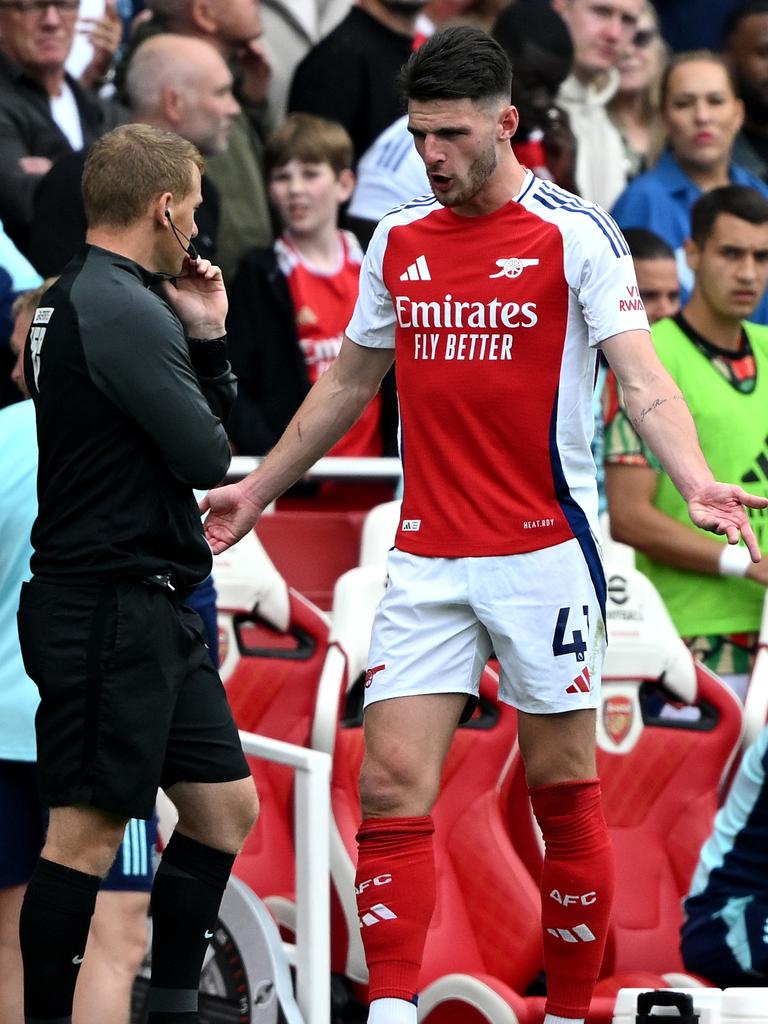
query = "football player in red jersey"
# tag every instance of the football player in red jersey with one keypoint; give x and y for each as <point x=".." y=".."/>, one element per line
<point x="493" y="296"/>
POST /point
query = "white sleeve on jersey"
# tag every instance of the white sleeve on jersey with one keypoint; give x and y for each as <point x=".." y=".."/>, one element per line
<point x="605" y="283"/>
<point x="373" y="318"/>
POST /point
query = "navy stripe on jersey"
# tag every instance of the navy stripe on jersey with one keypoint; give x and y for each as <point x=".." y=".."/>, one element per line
<point x="528" y="187"/>
<point x="413" y="204"/>
<point x="577" y="520"/>
<point x="554" y="206"/>
<point x="575" y="201"/>
<point x="571" y="202"/>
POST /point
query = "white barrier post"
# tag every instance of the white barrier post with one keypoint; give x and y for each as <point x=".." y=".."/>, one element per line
<point x="312" y="830"/>
<point x="336" y="468"/>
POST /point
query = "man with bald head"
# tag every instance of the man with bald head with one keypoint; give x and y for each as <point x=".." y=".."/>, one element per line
<point x="183" y="84"/>
<point x="174" y="82"/>
<point x="235" y="28"/>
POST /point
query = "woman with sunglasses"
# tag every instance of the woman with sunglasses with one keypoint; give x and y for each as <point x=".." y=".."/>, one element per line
<point x="635" y="106"/>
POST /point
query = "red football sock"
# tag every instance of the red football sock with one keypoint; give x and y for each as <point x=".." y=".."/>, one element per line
<point x="576" y="891"/>
<point x="395" y="887"/>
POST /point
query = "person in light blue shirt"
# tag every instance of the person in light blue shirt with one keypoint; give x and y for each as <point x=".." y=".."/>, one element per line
<point x="17" y="275"/>
<point x="702" y="114"/>
<point x="23" y="275"/>
<point x="723" y="936"/>
<point x="18" y="500"/>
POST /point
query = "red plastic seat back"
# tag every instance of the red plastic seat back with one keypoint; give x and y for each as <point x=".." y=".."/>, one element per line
<point x="312" y="549"/>
<point x="274" y="647"/>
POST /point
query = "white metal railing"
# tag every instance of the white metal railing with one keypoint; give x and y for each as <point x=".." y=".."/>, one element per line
<point x="335" y="468"/>
<point x="312" y="819"/>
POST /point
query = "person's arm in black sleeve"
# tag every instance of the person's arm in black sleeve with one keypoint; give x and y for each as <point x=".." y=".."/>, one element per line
<point x="17" y="186"/>
<point x="139" y="357"/>
<point x="265" y="352"/>
<point x="214" y="374"/>
<point x="249" y="320"/>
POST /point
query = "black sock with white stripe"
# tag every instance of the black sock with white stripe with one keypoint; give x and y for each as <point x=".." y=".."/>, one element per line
<point x="186" y="895"/>
<point x="53" y="930"/>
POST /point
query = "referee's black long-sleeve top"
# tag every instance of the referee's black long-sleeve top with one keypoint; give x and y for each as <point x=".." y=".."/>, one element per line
<point x="129" y="420"/>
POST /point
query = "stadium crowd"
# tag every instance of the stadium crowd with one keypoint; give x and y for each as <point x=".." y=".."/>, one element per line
<point x="656" y="112"/>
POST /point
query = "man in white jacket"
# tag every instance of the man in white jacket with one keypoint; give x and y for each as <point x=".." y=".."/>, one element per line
<point x="599" y="31"/>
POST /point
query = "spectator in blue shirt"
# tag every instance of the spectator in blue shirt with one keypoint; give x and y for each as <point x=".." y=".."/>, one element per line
<point x="17" y="275"/>
<point x="702" y="116"/>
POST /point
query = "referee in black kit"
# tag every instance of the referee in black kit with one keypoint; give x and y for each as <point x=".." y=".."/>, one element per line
<point x="126" y="363"/>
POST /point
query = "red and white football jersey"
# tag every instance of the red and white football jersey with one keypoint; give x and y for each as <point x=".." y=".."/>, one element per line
<point x="494" y="321"/>
<point x="322" y="301"/>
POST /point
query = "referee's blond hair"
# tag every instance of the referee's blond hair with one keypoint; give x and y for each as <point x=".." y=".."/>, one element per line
<point x="129" y="167"/>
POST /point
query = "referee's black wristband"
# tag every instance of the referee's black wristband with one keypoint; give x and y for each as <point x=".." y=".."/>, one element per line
<point x="209" y="356"/>
<point x="211" y="346"/>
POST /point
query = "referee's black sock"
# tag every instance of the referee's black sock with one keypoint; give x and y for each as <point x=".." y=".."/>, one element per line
<point x="53" y="930"/>
<point x="189" y="884"/>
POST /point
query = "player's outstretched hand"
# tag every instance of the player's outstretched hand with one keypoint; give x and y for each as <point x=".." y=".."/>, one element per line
<point x="231" y="514"/>
<point x="719" y="508"/>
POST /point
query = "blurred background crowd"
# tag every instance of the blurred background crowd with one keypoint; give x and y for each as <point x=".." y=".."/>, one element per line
<point x="635" y="105"/>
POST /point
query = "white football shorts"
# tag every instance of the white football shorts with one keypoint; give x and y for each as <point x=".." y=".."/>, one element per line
<point x="541" y="613"/>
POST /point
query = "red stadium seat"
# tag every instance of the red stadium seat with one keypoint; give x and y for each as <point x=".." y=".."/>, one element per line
<point x="312" y="548"/>
<point x="661" y="772"/>
<point x="273" y="647"/>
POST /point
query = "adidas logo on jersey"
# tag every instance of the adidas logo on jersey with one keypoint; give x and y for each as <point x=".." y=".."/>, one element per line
<point x="580" y="933"/>
<point x="377" y="914"/>
<point x="513" y="267"/>
<point x="581" y="684"/>
<point x="418" y="271"/>
<point x="759" y="471"/>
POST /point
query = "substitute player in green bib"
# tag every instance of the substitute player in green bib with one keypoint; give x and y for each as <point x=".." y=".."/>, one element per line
<point x="719" y="361"/>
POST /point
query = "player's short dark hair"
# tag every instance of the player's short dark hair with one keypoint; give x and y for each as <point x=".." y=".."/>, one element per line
<point x="736" y="16"/>
<point x="647" y="245"/>
<point x="456" y="64"/>
<point x="739" y="201"/>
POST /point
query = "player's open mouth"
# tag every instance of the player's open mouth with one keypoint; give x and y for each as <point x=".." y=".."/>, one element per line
<point x="441" y="182"/>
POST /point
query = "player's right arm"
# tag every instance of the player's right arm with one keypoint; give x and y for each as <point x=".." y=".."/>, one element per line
<point x="329" y="410"/>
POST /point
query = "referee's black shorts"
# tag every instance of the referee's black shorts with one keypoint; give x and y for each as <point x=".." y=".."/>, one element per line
<point x="129" y="698"/>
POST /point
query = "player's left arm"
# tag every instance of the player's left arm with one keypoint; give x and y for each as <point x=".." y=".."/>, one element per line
<point x="659" y="413"/>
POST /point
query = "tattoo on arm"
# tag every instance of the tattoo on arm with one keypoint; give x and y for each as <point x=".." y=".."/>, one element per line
<point x="655" y="405"/>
